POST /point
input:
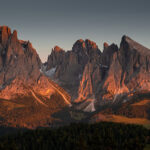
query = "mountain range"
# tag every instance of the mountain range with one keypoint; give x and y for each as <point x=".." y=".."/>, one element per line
<point x="81" y="84"/>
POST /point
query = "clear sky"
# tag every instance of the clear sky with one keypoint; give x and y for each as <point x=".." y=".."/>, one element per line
<point x="47" y="23"/>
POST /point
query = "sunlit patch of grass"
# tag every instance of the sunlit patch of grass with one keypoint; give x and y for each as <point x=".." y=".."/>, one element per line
<point x="12" y="105"/>
<point x="122" y="119"/>
<point x="143" y="102"/>
<point x="116" y="118"/>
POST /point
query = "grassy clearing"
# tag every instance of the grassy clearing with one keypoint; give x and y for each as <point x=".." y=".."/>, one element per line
<point x="116" y="118"/>
<point x="143" y="102"/>
<point x="12" y="105"/>
<point x="123" y="119"/>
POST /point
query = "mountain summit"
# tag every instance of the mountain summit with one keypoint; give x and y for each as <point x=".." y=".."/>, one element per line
<point x="27" y="96"/>
<point x="97" y="78"/>
<point x="18" y="59"/>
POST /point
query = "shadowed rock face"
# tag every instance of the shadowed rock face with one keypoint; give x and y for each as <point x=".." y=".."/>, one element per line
<point x="56" y="58"/>
<point x="70" y="65"/>
<point x="129" y="70"/>
<point x="105" y="76"/>
<point x="107" y="54"/>
<point x="83" y="69"/>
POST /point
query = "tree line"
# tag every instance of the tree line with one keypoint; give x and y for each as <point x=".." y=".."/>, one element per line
<point x="98" y="136"/>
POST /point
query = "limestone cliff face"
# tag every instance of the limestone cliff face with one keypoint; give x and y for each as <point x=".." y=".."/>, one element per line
<point x="71" y="64"/>
<point x="108" y="75"/>
<point x="23" y="86"/>
<point x="20" y="65"/>
<point x="95" y="73"/>
<point x="135" y="60"/>
<point x="17" y="58"/>
<point x="56" y="58"/>
<point x="132" y="62"/>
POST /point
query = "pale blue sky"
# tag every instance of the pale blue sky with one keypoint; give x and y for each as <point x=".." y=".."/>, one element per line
<point x="47" y="23"/>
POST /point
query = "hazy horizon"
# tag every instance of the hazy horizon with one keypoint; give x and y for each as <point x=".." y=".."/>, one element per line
<point x="48" y="23"/>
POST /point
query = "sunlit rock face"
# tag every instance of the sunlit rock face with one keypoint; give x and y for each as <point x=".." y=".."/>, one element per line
<point x="107" y="76"/>
<point x="27" y="97"/>
<point x="17" y="58"/>
<point x="120" y="72"/>
<point x="5" y="33"/>
<point x="129" y="70"/>
<point x="84" y="69"/>
<point x="95" y="74"/>
<point x="71" y="64"/>
<point x="56" y="58"/>
<point x="85" y="88"/>
<point x="135" y="60"/>
<point x="20" y="64"/>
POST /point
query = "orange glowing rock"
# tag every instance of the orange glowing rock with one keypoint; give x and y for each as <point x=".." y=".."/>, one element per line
<point x="57" y="48"/>
<point x="105" y="45"/>
<point x="90" y="44"/>
<point x="5" y="33"/>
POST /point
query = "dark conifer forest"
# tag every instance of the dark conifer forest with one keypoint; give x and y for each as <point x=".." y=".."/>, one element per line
<point x="98" y="136"/>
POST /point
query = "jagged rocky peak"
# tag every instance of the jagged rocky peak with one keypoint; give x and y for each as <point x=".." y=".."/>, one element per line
<point x="126" y="39"/>
<point x="28" y="47"/>
<point x="5" y="29"/>
<point x="86" y="72"/>
<point x="90" y="44"/>
<point x="125" y="44"/>
<point x="80" y="40"/>
<point x="23" y="83"/>
<point x="129" y="69"/>
<point x="133" y="56"/>
<point x="5" y="33"/>
<point x="26" y="44"/>
<point x="108" y="53"/>
<point x="110" y="49"/>
<point x="129" y="44"/>
<point x="18" y="57"/>
<point x="81" y="45"/>
<point x="55" y="58"/>
<point x="14" y="35"/>
<point x="78" y="45"/>
<point x="57" y="49"/>
<point x="105" y="45"/>
<point x="19" y="61"/>
<point x="9" y="40"/>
